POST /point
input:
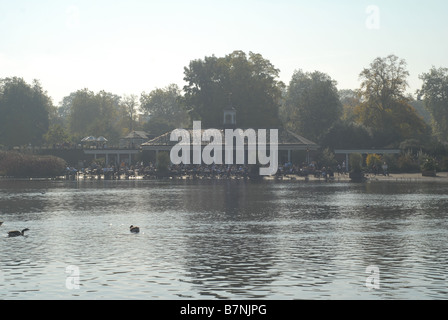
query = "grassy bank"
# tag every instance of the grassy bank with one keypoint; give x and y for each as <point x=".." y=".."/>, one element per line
<point x="19" y="165"/>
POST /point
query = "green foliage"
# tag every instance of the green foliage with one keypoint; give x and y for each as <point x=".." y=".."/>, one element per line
<point x="407" y="162"/>
<point x="166" y="108"/>
<point x="311" y="105"/>
<point x="347" y="135"/>
<point x="412" y="145"/>
<point x="392" y="162"/>
<point x="160" y="125"/>
<point x="429" y="164"/>
<point x="385" y="108"/>
<point x="349" y="100"/>
<point x="373" y="160"/>
<point x="129" y="108"/>
<point x="385" y="80"/>
<point x="24" y="111"/>
<point x="95" y="114"/>
<point x="398" y="122"/>
<point x="434" y="91"/>
<point x="444" y="164"/>
<point x="421" y="110"/>
<point x="21" y="165"/>
<point x="379" y="114"/>
<point x="56" y="134"/>
<point x="247" y="82"/>
<point x="355" y="162"/>
<point x="163" y="162"/>
<point x="326" y="158"/>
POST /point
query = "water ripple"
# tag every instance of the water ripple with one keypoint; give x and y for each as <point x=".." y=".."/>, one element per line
<point x="223" y="240"/>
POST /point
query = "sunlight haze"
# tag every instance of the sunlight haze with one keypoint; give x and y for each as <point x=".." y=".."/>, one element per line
<point x="127" y="47"/>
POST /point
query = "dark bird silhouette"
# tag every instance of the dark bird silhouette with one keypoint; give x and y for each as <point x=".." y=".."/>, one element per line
<point x="134" y="229"/>
<point x="16" y="233"/>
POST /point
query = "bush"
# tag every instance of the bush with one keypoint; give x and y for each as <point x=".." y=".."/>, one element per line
<point x="373" y="160"/>
<point x="429" y="164"/>
<point x="2" y="156"/>
<point x="407" y="163"/>
<point x="356" y="161"/>
<point x="163" y="163"/>
<point x="444" y="164"/>
<point x="392" y="162"/>
<point x="327" y="159"/>
<point x="20" y="165"/>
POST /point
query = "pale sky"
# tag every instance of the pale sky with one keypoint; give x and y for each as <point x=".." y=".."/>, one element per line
<point x="127" y="47"/>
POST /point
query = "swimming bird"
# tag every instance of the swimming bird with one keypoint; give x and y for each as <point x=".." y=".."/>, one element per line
<point x="1" y="222"/>
<point x="134" y="229"/>
<point x="17" y="233"/>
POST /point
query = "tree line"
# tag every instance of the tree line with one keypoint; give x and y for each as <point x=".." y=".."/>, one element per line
<point x="380" y="113"/>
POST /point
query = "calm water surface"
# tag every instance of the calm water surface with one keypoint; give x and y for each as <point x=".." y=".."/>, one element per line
<point x="223" y="239"/>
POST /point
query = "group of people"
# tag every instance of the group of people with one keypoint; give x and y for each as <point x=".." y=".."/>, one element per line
<point x="218" y="171"/>
<point x="150" y="170"/>
<point x="221" y="171"/>
<point x="380" y="170"/>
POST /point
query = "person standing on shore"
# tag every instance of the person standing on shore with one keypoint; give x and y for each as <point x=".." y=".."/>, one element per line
<point x="385" y="169"/>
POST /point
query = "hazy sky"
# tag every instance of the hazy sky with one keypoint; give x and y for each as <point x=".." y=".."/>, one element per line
<point x="126" y="47"/>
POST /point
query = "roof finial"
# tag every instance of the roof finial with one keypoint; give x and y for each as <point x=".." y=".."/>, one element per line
<point x="230" y="114"/>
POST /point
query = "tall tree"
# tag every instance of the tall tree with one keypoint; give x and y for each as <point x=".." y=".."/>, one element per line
<point x="163" y="102"/>
<point x="106" y="123"/>
<point x="349" y="99"/>
<point x="64" y="108"/>
<point x="249" y="83"/>
<point x="434" y="92"/>
<point x="312" y="104"/>
<point x="166" y="109"/>
<point x="82" y="112"/>
<point x="384" y="105"/>
<point x="56" y="134"/>
<point x="24" y="111"/>
<point x="130" y="105"/>
<point x="95" y="114"/>
<point x="346" y="135"/>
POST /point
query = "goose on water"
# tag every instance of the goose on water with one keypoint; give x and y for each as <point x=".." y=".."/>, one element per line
<point x="134" y="229"/>
<point x="16" y="233"/>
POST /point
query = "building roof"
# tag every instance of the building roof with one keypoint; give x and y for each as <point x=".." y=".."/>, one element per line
<point x="137" y="135"/>
<point x="289" y="137"/>
<point x="286" y="138"/>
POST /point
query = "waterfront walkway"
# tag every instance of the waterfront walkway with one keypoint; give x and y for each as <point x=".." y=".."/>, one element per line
<point x="404" y="177"/>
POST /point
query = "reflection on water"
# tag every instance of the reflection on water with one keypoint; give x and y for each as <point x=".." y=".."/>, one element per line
<point x="223" y="239"/>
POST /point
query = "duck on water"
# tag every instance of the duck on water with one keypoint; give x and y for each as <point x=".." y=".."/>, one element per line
<point x="17" y="233"/>
<point x="134" y="229"/>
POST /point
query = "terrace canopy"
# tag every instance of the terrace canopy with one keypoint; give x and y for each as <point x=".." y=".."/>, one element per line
<point x="133" y="140"/>
<point x="288" y="142"/>
<point x="89" y="139"/>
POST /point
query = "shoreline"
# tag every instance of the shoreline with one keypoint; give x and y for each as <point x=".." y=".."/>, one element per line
<point x="440" y="177"/>
<point x="409" y="177"/>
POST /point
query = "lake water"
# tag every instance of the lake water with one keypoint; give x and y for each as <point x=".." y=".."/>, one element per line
<point x="224" y="239"/>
